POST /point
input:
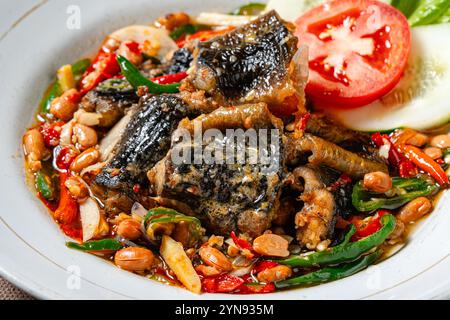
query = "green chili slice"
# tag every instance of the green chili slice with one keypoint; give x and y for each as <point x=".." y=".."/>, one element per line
<point x="44" y="185"/>
<point x="331" y="273"/>
<point x="97" y="245"/>
<point x="345" y="252"/>
<point x="184" y="29"/>
<point x="251" y="9"/>
<point x="136" y="79"/>
<point x="412" y="188"/>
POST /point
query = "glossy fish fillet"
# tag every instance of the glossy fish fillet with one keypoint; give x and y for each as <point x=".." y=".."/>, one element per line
<point x="144" y="142"/>
<point x="249" y="64"/>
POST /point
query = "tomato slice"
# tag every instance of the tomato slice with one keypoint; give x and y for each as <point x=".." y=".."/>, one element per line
<point x="358" y="50"/>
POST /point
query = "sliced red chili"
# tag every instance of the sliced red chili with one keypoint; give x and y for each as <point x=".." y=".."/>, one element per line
<point x="105" y="66"/>
<point x="67" y="212"/>
<point x="225" y="283"/>
<point x="303" y="122"/>
<point x="64" y="157"/>
<point x="264" y="265"/>
<point x="51" y="133"/>
<point x="343" y="180"/>
<point x="367" y="228"/>
<point x="202" y="36"/>
<point x="426" y="163"/>
<point x="170" y="78"/>
<point x="241" y="243"/>
<point x="134" y="47"/>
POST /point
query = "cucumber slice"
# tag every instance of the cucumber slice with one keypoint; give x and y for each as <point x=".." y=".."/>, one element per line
<point x="290" y="10"/>
<point x="421" y="100"/>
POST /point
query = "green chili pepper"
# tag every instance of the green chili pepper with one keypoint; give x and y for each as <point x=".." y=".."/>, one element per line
<point x="251" y="9"/>
<point x="165" y="215"/>
<point x="52" y="92"/>
<point x="44" y="185"/>
<point x="406" y="7"/>
<point x="97" y="245"/>
<point x="184" y="29"/>
<point x="79" y="68"/>
<point x="411" y="188"/>
<point x="331" y="273"/>
<point x="428" y="12"/>
<point x="136" y="79"/>
<point x="346" y="251"/>
<point x="159" y="212"/>
<point x="160" y="216"/>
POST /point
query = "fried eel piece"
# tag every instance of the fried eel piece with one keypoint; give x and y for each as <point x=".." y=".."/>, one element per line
<point x="328" y="154"/>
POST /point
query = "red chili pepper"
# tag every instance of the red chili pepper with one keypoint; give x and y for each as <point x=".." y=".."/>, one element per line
<point x="264" y="265"/>
<point x="64" y="157"/>
<point x="225" y="283"/>
<point x="74" y="232"/>
<point x="136" y="188"/>
<point x="343" y="180"/>
<point x="257" y="288"/>
<point x="405" y="167"/>
<point x="51" y="133"/>
<point x="68" y="210"/>
<point x="133" y="47"/>
<point x="202" y="36"/>
<point x="241" y="243"/>
<point x="303" y="122"/>
<point x="52" y="206"/>
<point x="424" y="162"/>
<point x="395" y="158"/>
<point x="170" y="78"/>
<point x="366" y="228"/>
<point x="105" y="66"/>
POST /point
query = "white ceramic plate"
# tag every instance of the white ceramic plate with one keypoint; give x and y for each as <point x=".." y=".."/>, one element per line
<point x="34" y="42"/>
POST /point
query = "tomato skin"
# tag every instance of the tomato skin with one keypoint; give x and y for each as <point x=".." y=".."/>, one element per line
<point x="358" y="51"/>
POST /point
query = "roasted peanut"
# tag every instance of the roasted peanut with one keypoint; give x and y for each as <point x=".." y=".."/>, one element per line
<point x="418" y="140"/>
<point x="134" y="259"/>
<point x="87" y="118"/>
<point x="129" y="229"/>
<point x="181" y="233"/>
<point x="85" y="159"/>
<point x="415" y="210"/>
<point x="85" y="136"/>
<point x="271" y="245"/>
<point x="274" y="274"/>
<point x="214" y="258"/>
<point x="76" y="187"/>
<point x="440" y="141"/>
<point x="207" y="271"/>
<point x="433" y="152"/>
<point x="172" y="21"/>
<point x="65" y="106"/>
<point x="377" y="182"/>
<point x="34" y="148"/>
